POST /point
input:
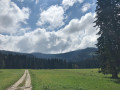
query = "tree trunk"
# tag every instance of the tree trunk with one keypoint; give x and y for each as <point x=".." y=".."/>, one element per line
<point x="115" y="75"/>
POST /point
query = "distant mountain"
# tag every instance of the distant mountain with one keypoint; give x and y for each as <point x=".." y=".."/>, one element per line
<point x="73" y="56"/>
<point x="15" y="53"/>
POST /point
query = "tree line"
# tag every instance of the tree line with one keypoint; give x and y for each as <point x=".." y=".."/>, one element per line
<point x="18" y="61"/>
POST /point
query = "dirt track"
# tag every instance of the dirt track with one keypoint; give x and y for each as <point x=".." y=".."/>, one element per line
<point x="24" y="83"/>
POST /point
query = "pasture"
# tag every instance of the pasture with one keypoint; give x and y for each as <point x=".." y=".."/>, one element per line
<point x="9" y="77"/>
<point x="72" y="79"/>
<point x="61" y="79"/>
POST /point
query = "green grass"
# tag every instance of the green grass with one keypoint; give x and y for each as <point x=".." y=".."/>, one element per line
<point x="72" y="79"/>
<point x="9" y="77"/>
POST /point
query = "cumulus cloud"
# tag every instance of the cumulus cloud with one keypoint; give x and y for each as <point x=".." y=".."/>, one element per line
<point x="11" y="16"/>
<point x="68" y="3"/>
<point x="80" y="1"/>
<point x="85" y="7"/>
<point x="82" y="24"/>
<point x="78" y="34"/>
<point x="37" y="1"/>
<point x="81" y="31"/>
<point x="53" y="17"/>
<point x="21" y="0"/>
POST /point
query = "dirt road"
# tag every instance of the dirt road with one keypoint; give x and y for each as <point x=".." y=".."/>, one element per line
<point x="24" y="83"/>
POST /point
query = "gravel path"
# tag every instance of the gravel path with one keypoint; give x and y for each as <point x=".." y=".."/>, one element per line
<point x="25" y="81"/>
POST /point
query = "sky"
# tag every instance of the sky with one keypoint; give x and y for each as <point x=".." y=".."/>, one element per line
<point x="47" y="26"/>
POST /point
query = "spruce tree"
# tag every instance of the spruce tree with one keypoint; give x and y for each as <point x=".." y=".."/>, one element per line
<point x="108" y="22"/>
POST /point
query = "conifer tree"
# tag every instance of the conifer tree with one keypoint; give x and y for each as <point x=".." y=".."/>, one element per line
<point x="108" y="22"/>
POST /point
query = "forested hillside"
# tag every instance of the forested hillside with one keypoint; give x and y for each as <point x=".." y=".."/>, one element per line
<point x="73" y="56"/>
<point x="10" y="61"/>
<point x="20" y="61"/>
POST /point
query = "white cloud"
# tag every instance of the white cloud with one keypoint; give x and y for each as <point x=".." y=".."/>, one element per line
<point x="11" y="16"/>
<point x="80" y="1"/>
<point x="81" y="32"/>
<point x="85" y="7"/>
<point x="82" y="24"/>
<point x="53" y="16"/>
<point x="37" y="1"/>
<point x="21" y="0"/>
<point x="78" y="34"/>
<point x="69" y="3"/>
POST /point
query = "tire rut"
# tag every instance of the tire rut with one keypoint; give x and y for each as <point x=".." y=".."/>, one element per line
<point x="25" y="79"/>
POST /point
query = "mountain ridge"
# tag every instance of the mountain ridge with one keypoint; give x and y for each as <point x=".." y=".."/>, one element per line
<point x="72" y="56"/>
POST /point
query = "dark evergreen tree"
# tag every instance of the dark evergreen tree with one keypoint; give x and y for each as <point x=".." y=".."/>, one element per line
<point x="108" y="21"/>
<point x="18" y="61"/>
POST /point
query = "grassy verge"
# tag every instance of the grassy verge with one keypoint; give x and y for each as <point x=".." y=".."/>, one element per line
<point x="9" y="77"/>
<point x="80" y="79"/>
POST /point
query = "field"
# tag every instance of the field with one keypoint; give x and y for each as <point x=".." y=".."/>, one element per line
<point x="75" y="79"/>
<point x="61" y="79"/>
<point x="9" y="77"/>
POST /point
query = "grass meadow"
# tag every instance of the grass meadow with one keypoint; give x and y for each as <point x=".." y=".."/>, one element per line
<point x="61" y="79"/>
<point x="9" y="77"/>
<point x="72" y="79"/>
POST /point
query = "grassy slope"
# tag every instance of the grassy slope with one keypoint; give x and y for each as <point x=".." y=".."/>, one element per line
<point x="80" y="79"/>
<point x="9" y="77"/>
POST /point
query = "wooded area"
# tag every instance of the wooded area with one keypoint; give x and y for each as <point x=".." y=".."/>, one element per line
<point x="10" y="61"/>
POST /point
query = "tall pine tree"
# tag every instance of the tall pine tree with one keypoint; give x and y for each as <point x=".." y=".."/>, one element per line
<point x="108" y="21"/>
